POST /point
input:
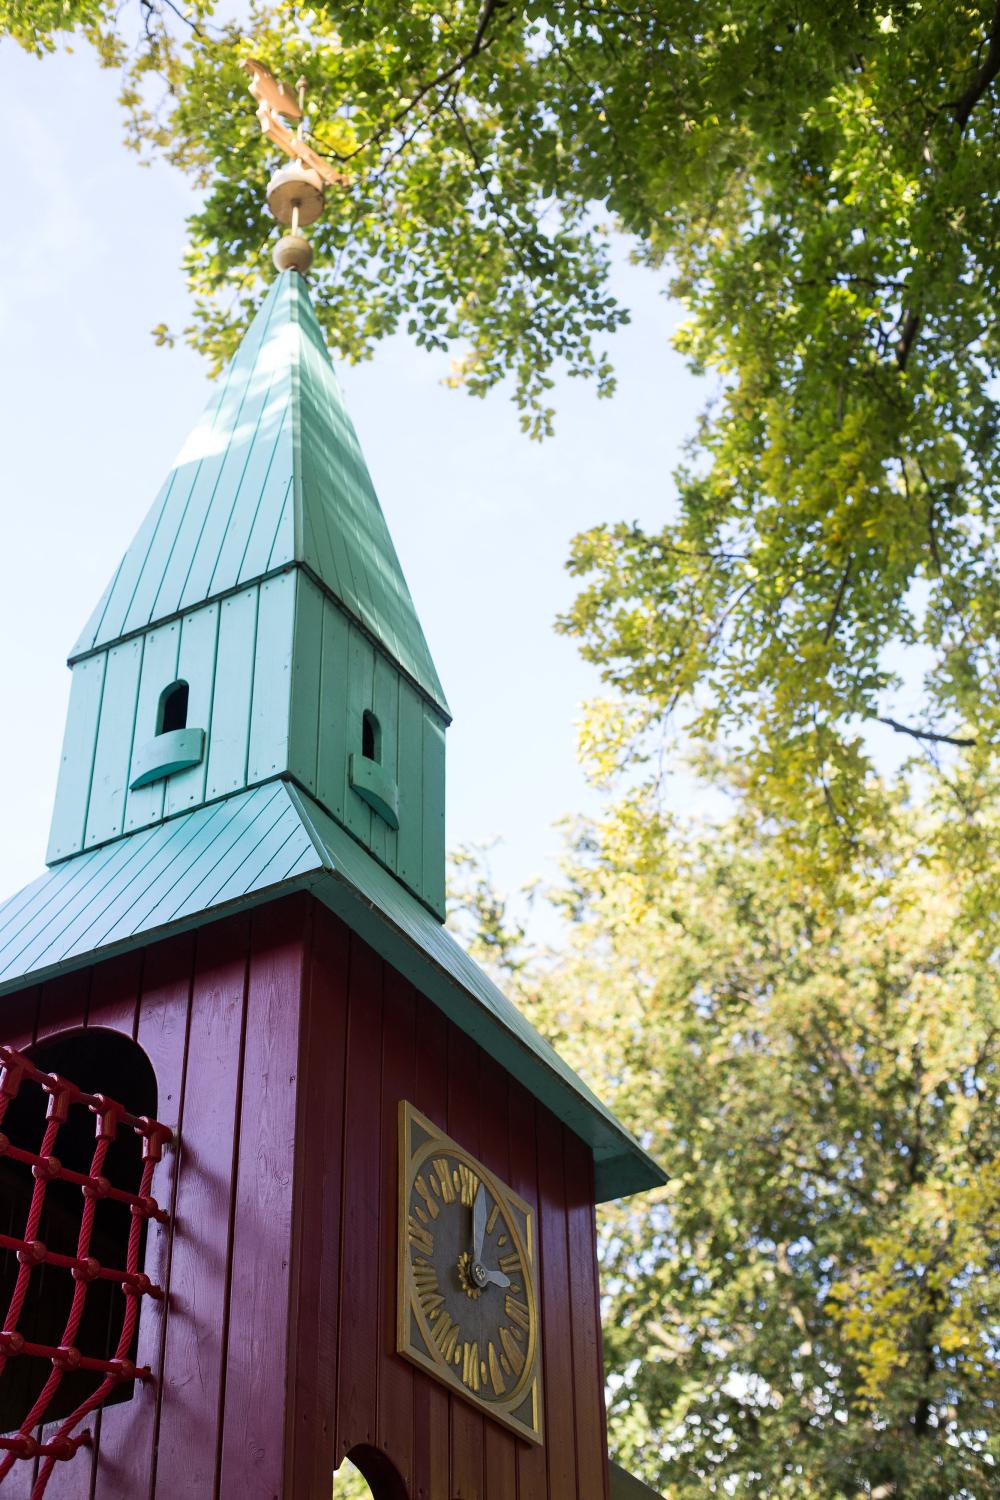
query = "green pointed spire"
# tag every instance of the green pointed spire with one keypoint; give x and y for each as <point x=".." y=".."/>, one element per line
<point x="271" y="476"/>
<point x="259" y="627"/>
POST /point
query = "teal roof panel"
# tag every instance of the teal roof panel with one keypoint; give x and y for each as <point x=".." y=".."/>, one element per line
<point x="271" y="476"/>
<point x="260" y="844"/>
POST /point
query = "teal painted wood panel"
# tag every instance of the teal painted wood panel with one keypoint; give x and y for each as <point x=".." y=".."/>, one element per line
<point x="196" y="665"/>
<point x="272" y="678"/>
<point x="270" y="535"/>
<point x="360" y="692"/>
<point x="129" y="603"/>
<point x="159" y="670"/>
<point x="207" y="496"/>
<point x="307" y="683"/>
<point x="432" y="882"/>
<point x="105" y="624"/>
<point x="230" y="735"/>
<point x="231" y="506"/>
<point x="174" y="882"/>
<point x="385" y="706"/>
<point x="74" y="893"/>
<point x="76" y="768"/>
<point x="410" y="774"/>
<point x="48" y="899"/>
<point x="141" y="573"/>
<point x="119" y="890"/>
<point x="106" y="811"/>
<point x="331" y="782"/>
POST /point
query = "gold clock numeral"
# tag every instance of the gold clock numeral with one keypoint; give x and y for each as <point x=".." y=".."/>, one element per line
<point x="428" y="1197"/>
<point x="514" y="1353"/>
<point x="470" y="1366"/>
<point x="468" y="1184"/>
<point x="444" y="1179"/>
<point x="444" y="1331"/>
<point x="430" y="1298"/>
<point x="510" y="1263"/>
<point x="492" y="1220"/>
<point x="517" y="1312"/>
<point x="496" y="1378"/>
<point x="420" y="1238"/>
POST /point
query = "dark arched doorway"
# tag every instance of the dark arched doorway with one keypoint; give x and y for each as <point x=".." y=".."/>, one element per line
<point x="366" y="1474"/>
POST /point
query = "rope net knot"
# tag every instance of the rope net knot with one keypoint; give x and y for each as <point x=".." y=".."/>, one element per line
<point x="60" y="1282"/>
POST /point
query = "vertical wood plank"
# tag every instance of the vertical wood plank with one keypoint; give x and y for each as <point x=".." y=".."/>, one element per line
<point x="584" y="1291"/>
<point x="395" y="1386"/>
<point x="272" y="678"/>
<point x="431" y="1435"/>
<point x="127" y="1433"/>
<point x="312" y="1432"/>
<point x="432" y="879"/>
<point x="360" y="689"/>
<point x="253" y="1438"/>
<point x="331" y="780"/>
<point x="106" y="811"/>
<point x="500" y="1446"/>
<point x="228" y="741"/>
<point x="522" y="1134"/>
<point x="557" y="1347"/>
<point x="159" y="670"/>
<point x="409" y="775"/>
<point x="467" y="1425"/>
<point x="307" y="674"/>
<point x="361" y="1246"/>
<point x="196" y="665"/>
<point x="385" y="705"/>
<point x="76" y="767"/>
<point x="188" y="1415"/>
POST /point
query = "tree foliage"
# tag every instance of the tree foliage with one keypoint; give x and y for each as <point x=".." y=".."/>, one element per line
<point x="817" y="182"/>
<point x="812" y="1305"/>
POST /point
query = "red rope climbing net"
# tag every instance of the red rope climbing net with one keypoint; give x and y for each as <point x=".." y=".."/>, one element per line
<point x="17" y="1072"/>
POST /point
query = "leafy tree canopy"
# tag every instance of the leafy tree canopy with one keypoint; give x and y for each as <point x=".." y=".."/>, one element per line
<point x="811" y="1307"/>
<point x="817" y="182"/>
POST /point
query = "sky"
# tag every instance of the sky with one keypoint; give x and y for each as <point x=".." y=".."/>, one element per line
<point x="92" y="413"/>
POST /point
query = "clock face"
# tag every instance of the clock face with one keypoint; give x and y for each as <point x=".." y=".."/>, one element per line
<point x="467" y="1305"/>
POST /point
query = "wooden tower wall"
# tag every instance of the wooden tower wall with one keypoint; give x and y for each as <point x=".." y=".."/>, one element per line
<point x="282" y="1044"/>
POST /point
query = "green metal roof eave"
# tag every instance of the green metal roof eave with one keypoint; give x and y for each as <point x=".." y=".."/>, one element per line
<point x="259" y="845"/>
<point x="402" y="931"/>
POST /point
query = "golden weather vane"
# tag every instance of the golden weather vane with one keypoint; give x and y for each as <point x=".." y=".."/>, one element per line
<point x="295" y="193"/>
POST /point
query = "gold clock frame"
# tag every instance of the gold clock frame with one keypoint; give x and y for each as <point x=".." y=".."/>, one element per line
<point x="420" y="1350"/>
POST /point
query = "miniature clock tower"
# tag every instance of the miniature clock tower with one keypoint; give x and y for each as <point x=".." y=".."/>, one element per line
<point x="284" y="1177"/>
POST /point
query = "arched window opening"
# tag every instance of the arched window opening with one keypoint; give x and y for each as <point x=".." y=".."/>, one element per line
<point x="371" y="737"/>
<point x="366" y="1474"/>
<point x="97" y="1062"/>
<point x="173" y="711"/>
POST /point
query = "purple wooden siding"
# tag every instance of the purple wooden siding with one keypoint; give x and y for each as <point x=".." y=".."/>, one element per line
<point x="282" y="1045"/>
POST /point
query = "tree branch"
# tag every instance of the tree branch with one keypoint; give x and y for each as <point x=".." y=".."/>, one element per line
<point x="908" y="332"/>
<point x="835" y="612"/>
<point x="966" y="103"/>
<point x="925" y="734"/>
<point x="479" y="41"/>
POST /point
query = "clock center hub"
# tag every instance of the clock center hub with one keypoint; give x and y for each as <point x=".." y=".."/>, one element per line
<point x="478" y="1273"/>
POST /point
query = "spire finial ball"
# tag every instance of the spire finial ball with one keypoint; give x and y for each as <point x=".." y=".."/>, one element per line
<point x="293" y="252"/>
